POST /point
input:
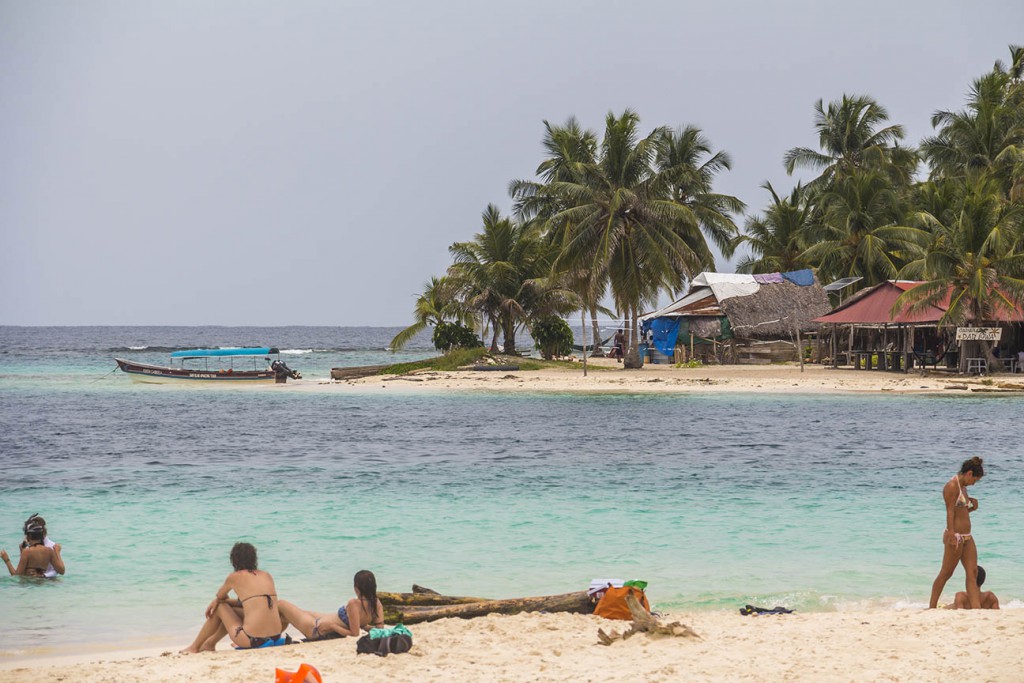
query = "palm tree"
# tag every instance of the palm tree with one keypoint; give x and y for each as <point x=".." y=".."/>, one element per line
<point x="860" y="233"/>
<point x="988" y="135"/>
<point x="570" y="150"/>
<point x="685" y="158"/>
<point x="629" y="215"/>
<point x="778" y="238"/>
<point x="435" y="305"/>
<point x="973" y="257"/>
<point x="498" y="273"/>
<point x="852" y="136"/>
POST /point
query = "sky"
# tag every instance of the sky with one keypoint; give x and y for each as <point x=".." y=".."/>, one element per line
<point x="256" y="162"/>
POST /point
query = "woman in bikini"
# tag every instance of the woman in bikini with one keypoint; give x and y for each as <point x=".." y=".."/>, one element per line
<point x="36" y="557"/>
<point x="252" y="620"/>
<point x="362" y="613"/>
<point x="957" y="540"/>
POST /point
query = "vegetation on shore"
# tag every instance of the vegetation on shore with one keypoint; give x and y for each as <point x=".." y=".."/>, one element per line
<point x="630" y="216"/>
<point x="461" y="358"/>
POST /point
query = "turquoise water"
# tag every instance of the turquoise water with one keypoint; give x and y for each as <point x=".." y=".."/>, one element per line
<point x="816" y="503"/>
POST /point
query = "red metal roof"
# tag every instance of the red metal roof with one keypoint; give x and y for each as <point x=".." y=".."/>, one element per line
<point x="874" y="307"/>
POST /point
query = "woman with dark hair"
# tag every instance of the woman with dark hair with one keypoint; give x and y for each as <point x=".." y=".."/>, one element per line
<point x="37" y="558"/>
<point x="957" y="540"/>
<point x="246" y="619"/>
<point x="362" y="613"/>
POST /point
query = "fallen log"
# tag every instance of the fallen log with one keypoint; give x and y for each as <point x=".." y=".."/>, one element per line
<point x="424" y="599"/>
<point x="577" y="603"/>
<point x="356" y="372"/>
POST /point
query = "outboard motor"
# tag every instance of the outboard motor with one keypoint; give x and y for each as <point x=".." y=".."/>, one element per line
<point x="282" y="372"/>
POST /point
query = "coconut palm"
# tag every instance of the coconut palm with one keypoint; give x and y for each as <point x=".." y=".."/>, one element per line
<point x="973" y="258"/>
<point x="861" y="231"/>
<point x="497" y="273"/>
<point x="777" y="239"/>
<point x="988" y="135"/>
<point x="686" y="160"/>
<point x="435" y="305"/>
<point x="571" y="150"/>
<point x="852" y="136"/>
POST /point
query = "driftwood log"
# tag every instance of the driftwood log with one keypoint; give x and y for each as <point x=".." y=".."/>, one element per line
<point x="425" y="605"/>
<point x="356" y="372"/>
<point x="644" y="622"/>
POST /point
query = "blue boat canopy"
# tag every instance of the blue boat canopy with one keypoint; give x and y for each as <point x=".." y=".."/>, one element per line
<point x="208" y="353"/>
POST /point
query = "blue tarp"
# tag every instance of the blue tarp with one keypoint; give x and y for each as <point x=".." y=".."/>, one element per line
<point x="207" y="353"/>
<point x="803" y="278"/>
<point x="664" y="332"/>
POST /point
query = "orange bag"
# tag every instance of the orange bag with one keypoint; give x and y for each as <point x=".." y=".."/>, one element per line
<point x="307" y="673"/>
<point x="613" y="603"/>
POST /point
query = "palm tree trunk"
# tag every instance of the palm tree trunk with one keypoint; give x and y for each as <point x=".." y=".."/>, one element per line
<point x="598" y="352"/>
<point x="508" y="328"/>
<point x="494" y="336"/>
<point x="632" y="360"/>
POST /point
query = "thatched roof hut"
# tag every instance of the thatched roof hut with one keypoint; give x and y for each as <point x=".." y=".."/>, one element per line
<point x="754" y="306"/>
<point x="750" y="309"/>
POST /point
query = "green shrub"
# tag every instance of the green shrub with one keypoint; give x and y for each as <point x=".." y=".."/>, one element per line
<point x="553" y="337"/>
<point x="448" y="336"/>
<point x="692" y="363"/>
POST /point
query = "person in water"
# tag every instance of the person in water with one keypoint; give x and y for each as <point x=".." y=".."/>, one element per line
<point x="959" y="546"/>
<point x="36" y="558"/>
<point x="51" y="571"/>
<point x="361" y="613"/>
<point x="988" y="598"/>
<point x="252" y="620"/>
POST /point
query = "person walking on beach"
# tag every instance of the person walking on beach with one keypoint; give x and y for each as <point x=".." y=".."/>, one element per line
<point x="959" y="546"/>
<point x="360" y="614"/>
<point x="988" y="598"/>
<point x="37" y="559"/>
<point x="252" y="620"/>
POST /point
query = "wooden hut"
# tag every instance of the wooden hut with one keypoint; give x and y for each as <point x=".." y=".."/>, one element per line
<point x="738" y="318"/>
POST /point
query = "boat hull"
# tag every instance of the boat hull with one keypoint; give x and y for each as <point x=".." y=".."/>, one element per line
<point x="159" y="374"/>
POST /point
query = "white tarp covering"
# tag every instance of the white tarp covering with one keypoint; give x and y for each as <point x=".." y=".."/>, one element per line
<point x="727" y="285"/>
<point x="694" y="295"/>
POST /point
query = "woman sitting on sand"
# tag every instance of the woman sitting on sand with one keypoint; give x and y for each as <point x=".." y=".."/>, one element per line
<point x="252" y="620"/>
<point x="957" y="539"/>
<point x="36" y="558"/>
<point x="361" y="613"/>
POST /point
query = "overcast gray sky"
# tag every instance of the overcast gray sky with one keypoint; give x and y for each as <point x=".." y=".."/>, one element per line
<point x="302" y="162"/>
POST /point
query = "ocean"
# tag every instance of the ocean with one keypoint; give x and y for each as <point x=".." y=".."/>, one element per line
<point x="717" y="500"/>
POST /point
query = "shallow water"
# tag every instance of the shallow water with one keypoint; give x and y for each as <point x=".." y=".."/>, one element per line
<point x="717" y="500"/>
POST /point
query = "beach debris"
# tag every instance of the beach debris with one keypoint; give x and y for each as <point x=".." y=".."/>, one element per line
<point x="646" y="623"/>
<point x="425" y="605"/>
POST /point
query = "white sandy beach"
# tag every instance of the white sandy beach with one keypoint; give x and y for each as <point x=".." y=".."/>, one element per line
<point x="607" y="377"/>
<point x="912" y="645"/>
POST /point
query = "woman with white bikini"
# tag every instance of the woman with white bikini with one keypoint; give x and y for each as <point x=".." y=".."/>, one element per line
<point x="959" y="546"/>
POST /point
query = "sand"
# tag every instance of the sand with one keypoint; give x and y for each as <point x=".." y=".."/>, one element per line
<point x="912" y="645"/>
<point x="606" y="376"/>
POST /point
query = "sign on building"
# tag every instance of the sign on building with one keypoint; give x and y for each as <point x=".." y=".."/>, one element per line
<point x="979" y="333"/>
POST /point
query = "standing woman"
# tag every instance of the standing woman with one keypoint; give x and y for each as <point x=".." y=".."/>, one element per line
<point x="957" y="540"/>
<point x="252" y="620"/>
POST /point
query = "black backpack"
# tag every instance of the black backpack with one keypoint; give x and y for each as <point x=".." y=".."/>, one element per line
<point x="382" y="647"/>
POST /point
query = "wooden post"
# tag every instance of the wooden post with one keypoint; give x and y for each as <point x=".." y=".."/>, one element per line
<point x="852" y="331"/>
<point x="835" y="346"/>
<point x="583" y="327"/>
<point x="799" y="349"/>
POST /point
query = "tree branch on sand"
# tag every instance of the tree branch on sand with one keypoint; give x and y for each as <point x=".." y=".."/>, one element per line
<point x="644" y="622"/>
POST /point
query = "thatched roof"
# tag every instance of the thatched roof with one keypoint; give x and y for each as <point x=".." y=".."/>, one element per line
<point x="775" y="309"/>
